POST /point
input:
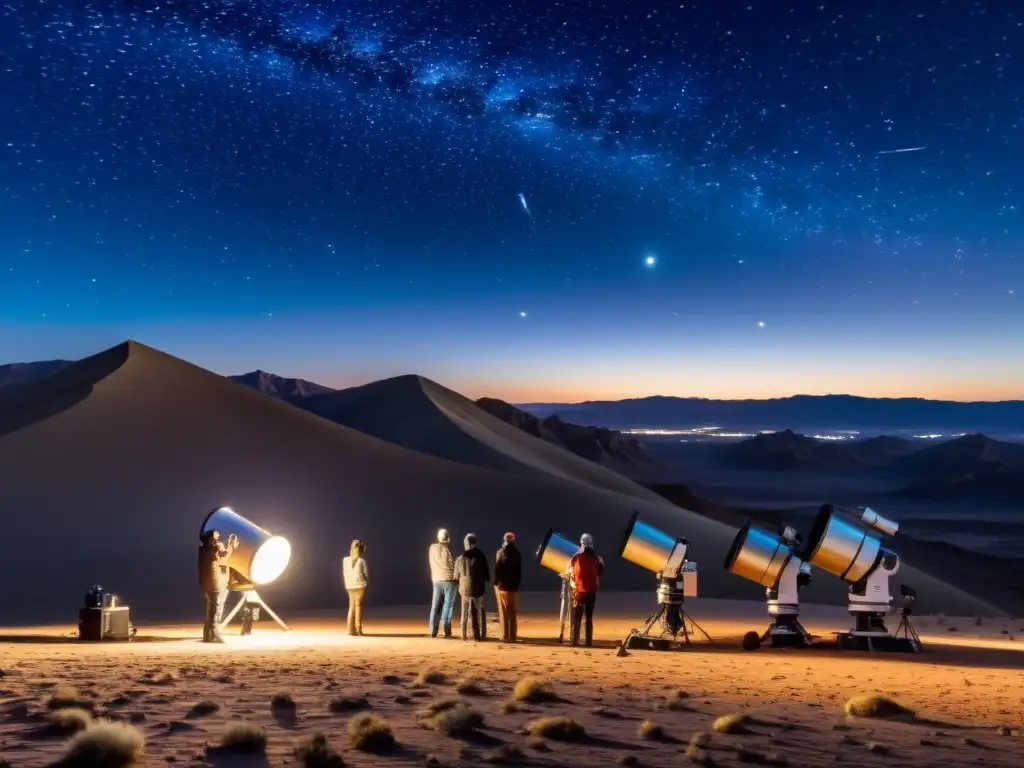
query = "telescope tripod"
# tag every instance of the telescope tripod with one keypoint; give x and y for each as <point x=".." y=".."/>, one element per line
<point x="674" y="622"/>
<point x="250" y="600"/>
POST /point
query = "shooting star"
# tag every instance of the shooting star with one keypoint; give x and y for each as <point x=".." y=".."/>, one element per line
<point x="897" y="151"/>
<point x="526" y="206"/>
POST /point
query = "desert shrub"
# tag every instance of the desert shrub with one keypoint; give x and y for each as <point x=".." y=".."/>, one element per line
<point x="450" y="716"/>
<point x="348" y="704"/>
<point x="506" y="753"/>
<point x="282" y="703"/>
<point x="369" y="733"/>
<point x="67" y="721"/>
<point x="875" y="706"/>
<point x="105" y="745"/>
<point x="534" y="690"/>
<point x="651" y="731"/>
<point x="203" y="708"/>
<point x="159" y="678"/>
<point x="244" y="738"/>
<point x="678" y="701"/>
<point x="430" y="676"/>
<point x="468" y="686"/>
<point x="315" y="752"/>
<point x="68" y="697"/>
<point x="731" y="724"/>
<point x="508" y="707"/>
<point x="877" y="748"/>
<point x="558" y="728"/>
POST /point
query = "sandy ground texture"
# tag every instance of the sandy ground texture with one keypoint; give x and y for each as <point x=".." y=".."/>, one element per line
<point x="967" y="691"/>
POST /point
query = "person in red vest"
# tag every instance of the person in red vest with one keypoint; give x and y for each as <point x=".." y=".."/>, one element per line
<point x="586" y="568"/>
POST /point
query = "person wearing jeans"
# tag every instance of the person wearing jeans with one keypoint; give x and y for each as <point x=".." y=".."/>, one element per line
<point x="442" y="574"/>
<point x="356" y="579"/>
<point x="473" y="573"/>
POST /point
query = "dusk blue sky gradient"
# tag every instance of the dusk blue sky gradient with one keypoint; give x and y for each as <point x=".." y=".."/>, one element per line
<point x="331" y="191"/>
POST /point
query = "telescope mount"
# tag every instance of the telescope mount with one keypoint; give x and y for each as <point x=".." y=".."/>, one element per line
<point x="249" y="605"/>
<point x="676" y="625"/>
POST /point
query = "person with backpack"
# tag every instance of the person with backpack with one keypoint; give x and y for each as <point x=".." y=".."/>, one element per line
<point x="473" y="573"/>
<point x="508" y="574"/>
<point x="586" y="567"/>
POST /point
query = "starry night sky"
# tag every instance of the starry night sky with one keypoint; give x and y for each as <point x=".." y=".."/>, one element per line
<point x="528" y="199"/>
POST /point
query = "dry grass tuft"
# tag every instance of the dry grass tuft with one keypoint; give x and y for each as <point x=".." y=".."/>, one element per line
<point x="105" y="745"/>
<point x="534" y="690"/>
<point x="160" y="678"/>
<point x="558" y="728"/>
<point x="369" y="733"/>
<point x="509" y="707"/>
<point x="468" y="686"/>
<point x="677" y="701"/>
<point x="877" y="748"/>
<point x="315" y="752"/>
<point x="875" y="706"/>
<point x="734" y="724"/>
<point x="282" y="704"/>
<point x="450" y="716"/>
<point x="68" y="697"/>
<point x="505" y="754"/>
<point x="67" y="721"/>
<point x="651" y="731"/>
<point x="244" y="738"/>
<point x="203" y="708"/>
<point x="430" y="676"/>
<point x="538" y="744"/>
<point x="348" y="704"/>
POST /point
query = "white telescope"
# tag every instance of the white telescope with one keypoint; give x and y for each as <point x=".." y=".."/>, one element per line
<point x="259" y="559"/>
<point x="767" y="559"/>
<point x="855" y="554"/>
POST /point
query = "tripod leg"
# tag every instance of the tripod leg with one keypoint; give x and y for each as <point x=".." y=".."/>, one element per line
<point x="234" y="611"/>
<point x="698" y="627"/>
<point x="653" y="620"/>
<point x="273" y="615"/>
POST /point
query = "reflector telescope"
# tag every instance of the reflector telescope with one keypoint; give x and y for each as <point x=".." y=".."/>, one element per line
<point x="767" y="558"/>
<point x="555" y="552"/>
<point x="650" y="548"/>
<point x="840" y="546"/>
<point x="260" y="557"/>
<point x="855" y="553"/>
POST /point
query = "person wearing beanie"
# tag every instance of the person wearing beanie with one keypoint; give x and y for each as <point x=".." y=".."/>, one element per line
<point x="473" y="573"/>
<point x="508" y="574"/>
<point x="586" y="568"/>
<point x="442" y="574"/>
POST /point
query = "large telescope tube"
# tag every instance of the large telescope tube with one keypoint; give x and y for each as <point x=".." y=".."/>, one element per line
<point x="646" y="546"/>
<point x="758" y="555"/>
<point x="844" y="548"/>
<point x="556" y="551"/>
<point x="260" y="557"/>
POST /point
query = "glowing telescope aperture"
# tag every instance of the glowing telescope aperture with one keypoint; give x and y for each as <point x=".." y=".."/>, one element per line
<point x="555" y="552"/>
<point x="260" y="557"/>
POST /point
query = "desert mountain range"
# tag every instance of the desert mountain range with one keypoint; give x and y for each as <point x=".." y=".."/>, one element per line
<point x="108" y="466"/>
<point x="800" y="412"/>
<point x="972" y="466"/>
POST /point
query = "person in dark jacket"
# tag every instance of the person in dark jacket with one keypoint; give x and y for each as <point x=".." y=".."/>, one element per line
<point x="508" y="574"/>
<point x="473" y="573"/>
<point x="213" y="579"/>
<point x="586" y="568"/>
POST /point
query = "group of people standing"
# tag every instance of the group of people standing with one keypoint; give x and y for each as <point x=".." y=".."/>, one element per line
<point x="466" y="576"/>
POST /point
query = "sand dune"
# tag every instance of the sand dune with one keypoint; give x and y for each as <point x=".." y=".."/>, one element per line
<point x="417" y="413"/>
<point x="108" y="467"/>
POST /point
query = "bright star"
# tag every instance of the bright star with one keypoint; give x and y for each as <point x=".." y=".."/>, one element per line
<point x="522" y="314"/>
<point x="760" y="323"/>
<point x="650" y="261"/>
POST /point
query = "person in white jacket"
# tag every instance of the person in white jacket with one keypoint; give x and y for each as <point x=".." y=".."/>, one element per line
<point x="442" y="574"/>
<point x="356" y="579"/>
